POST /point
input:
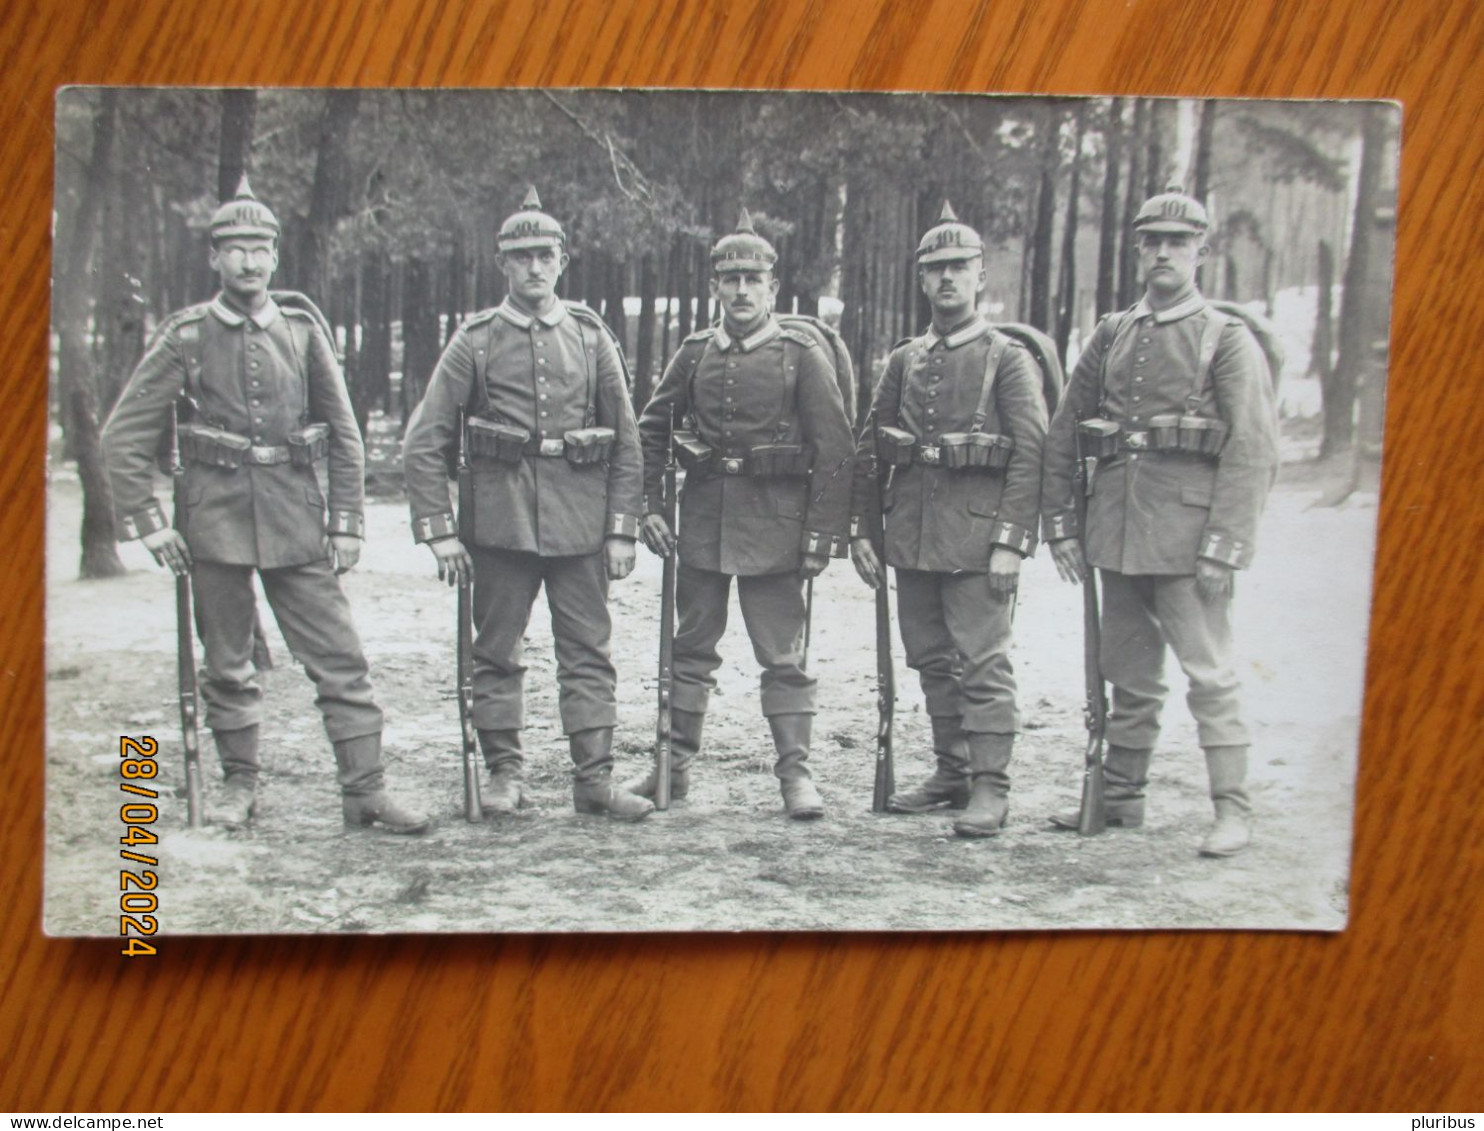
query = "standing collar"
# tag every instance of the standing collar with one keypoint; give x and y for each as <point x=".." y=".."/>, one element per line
<point x="975" y="328"/>
<point x="553" y="317"/>
<point x="262" y="319"/>
<point x="1194" y="304"/>
<point x="766" y="334"/>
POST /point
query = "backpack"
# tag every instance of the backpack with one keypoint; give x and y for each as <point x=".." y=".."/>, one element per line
<point x="1265" y="333"/>
<point x="835" y="350"/>
<point x="1040" y="346"/>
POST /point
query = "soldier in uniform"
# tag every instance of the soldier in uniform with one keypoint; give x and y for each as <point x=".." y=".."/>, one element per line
<point x="960" y="417"/>
<point x="754" y="405"/>
<point x="557" y="472"/>
<point x="261" y="398"/>
<point x="1174" y="399"/>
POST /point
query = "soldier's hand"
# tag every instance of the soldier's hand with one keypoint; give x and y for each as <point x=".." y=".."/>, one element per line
<point x="1070" y="561"/>
<point x="618" y="557"/>
<point x="1004" y="573"/>
<point x="344" y="551"/>
<point x="867" y="564"/>
<point x="454" y="562"/>
<point x="169" y="549"/>
<point x="1213" y="581"/>
<point x="813" y="565"/>
<point x="656" y="535"/>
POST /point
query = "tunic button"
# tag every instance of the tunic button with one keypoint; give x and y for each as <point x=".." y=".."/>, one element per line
<point x="257" y="420"/>
<point x="545" y="414"/>
<point x="1138" y="380"/>
<point x="1137" y="397"/>
<point x="731" y="365"/>
<point x="543" y="396"/>
<point x="252" y="364"/>
<point x="933" y="394"/>
<point x="932" y="412"/>
<point x="255" y="402"/>
<point x="726" y="400"/>
<point x="542" y="379"/>
<point x="1141" y="357"/>
<point x="541" y="361"/>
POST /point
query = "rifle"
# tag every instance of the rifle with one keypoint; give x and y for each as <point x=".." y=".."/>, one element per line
<point x="473" y="807"/>
<point x="185" y="643"/>
<point x="1091" y="819"/>
<point x="664" y="735"/>
<point x="886" y="679"/>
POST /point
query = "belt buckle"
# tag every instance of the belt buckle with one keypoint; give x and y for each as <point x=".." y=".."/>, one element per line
<point x="262" y="455"/>
<point x="929" y="454"/>
<point x="731" y="466"/>
<point x="1137" y="441"/>
<point x="553" y="447"/>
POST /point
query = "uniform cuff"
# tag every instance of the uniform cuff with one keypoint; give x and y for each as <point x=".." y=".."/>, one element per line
<point x="1227" y="551"/>
<point x="433" y="527"/>
<point x="822" y="544"/>
<point x="1059" y="526"/>
<point x="142" y="522"/>
<point x="858" y="528"/>
<point x="347" y="522"/>
<point x="1013" y="536"/>
<point x="842" y="547"/>
<point x="621" y="526"/>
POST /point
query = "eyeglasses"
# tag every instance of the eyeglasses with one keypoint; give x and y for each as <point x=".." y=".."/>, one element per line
<point x="235" y="257"/>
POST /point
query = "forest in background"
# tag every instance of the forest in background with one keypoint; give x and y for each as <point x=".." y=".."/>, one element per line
<point x="390" y="201"/>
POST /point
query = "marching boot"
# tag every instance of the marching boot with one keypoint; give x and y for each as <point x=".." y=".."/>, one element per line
<point x="949" y="783"/>
<point x="593" y="790"/>
<point x="989" y="789"/>
<point x="791" y="741"/>
<point x="1125" y="776"/>
<point x="503" y="756"/>
<point x="363" y="798"/>
<point x="1227" y="767"/>
<point x="685" y="743"/>
<point x="238" y="751"/>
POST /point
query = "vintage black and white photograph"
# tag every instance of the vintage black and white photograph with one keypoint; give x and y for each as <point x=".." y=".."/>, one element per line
<point x="621" y="510"/>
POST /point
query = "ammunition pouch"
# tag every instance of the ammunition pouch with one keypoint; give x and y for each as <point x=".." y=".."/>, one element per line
<point x="587" y="446"/>
<point x="894" y="446"/>
<point x="692" y="452"/>
<point x="489" y="440"/>
<point x="208" y="446"/>
<point x="1186" y="432"/>
<point x="308" y="444"/>
<point x="974" y="451"/>
<point x="766" y="460"/>
<point x="1099" y="437"/>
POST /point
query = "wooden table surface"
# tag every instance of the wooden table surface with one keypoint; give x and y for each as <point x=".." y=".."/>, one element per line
<point x="1386" y="1015"/>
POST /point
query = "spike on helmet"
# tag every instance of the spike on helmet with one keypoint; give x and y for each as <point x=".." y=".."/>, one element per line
<point x="743" y="250"/>
<point x="1172" y="211"/>
<point x="530" y="227"/>
<point x="245" y="216"/>
<point x="949" y="238"/>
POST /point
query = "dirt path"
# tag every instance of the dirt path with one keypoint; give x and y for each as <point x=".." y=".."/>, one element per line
<point x="726" y="859"/>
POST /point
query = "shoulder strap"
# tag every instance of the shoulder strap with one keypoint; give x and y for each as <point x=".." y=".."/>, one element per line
<point x="902" y="385"/>
<point x="1114" y="322"/>
<point x="791" y="349"/>
<point x="998" y="343"/>
<point x="301" y="351"/>
<point x="1215" y="322"/>
<point x="481" y="331"/>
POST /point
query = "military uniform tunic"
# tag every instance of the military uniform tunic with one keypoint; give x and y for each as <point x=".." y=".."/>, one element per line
<point x="942" y="524"/>
<point x="774" y="386"/>
<point x="1152" y="514"/>
<point x="543" y="519"/>
<point x="260" y="376"/>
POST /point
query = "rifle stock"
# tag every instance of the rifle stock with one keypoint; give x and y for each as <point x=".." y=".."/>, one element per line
<point x="886" y="684"/>
<point x="1091" y="817"/>
<point x="664" y="733"/>
<point x="473" y="803"/>
<point x="185" y="646"/>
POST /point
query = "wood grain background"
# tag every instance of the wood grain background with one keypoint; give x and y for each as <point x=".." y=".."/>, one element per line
<point x="1386" y="1015"/>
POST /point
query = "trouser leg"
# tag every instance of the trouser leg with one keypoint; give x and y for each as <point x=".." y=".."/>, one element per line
<point x="701" y="598"/>
<point x="1199" y="633"/>
<point x="505" y="586"/>
<point x="577" y="597"/>
<point x="1132" y="660"/>
<point x="315" y="620"/>
<point x="773" y="609"/>
<point x="979" y="626"/>
<point x="927" y="643"/>
<point x="224" y="604"/>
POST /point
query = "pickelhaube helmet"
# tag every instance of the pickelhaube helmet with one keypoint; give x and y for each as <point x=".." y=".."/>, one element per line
<point x="244" y="215"/>
<point x="1172" y="211"/>
<point x="743" y="250"/>
<point x="530" y="227"/>
<point x="949" y="238"/>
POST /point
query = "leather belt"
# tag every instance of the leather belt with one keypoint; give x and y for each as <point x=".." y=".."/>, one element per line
<point x="550" y="449"/>
<point x="1134" y="441"/>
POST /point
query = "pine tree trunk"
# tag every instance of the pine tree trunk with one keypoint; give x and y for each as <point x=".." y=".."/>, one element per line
<point x="1040" y="306"/>
<point x="1067" y="290"/>
<point x="1107" y="292"/>
<point x="1138" y="157"/>
<point x="330" y="193"/>
<point x="419" y="334"/>
<point x="1321" y="354"/>
<point x="76" y="379"/>
<point x="644" y="346"/>
<point x="234" y="143"/>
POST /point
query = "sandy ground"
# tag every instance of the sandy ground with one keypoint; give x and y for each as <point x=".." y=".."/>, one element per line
<point x="727" y="859"/>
